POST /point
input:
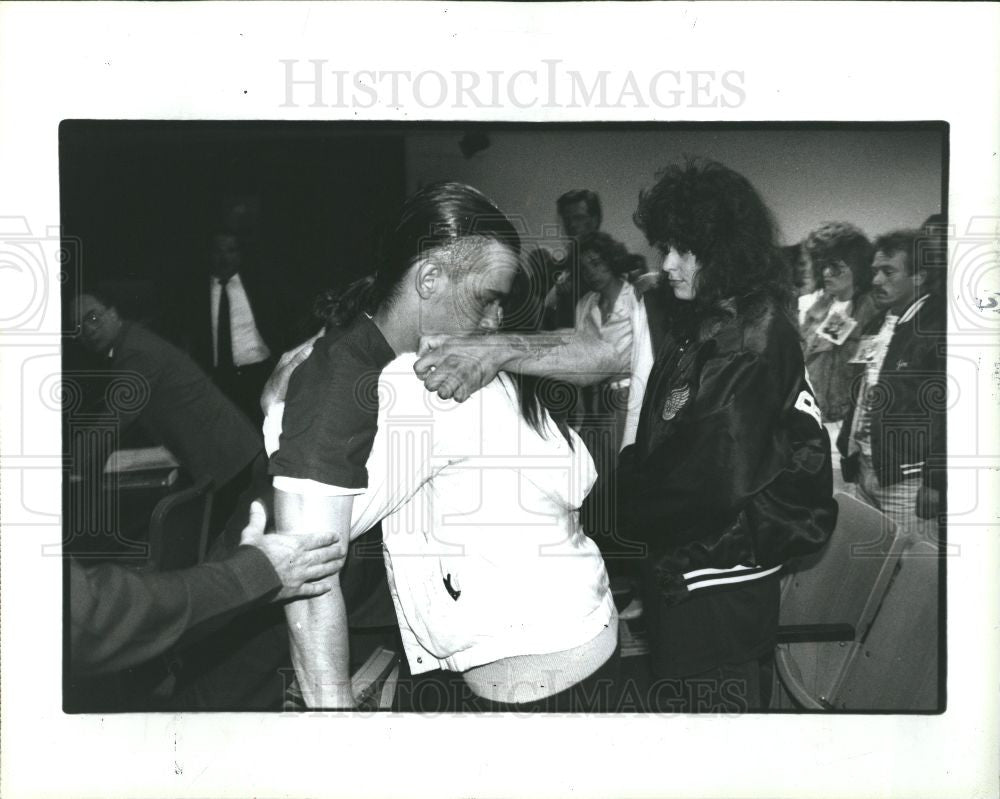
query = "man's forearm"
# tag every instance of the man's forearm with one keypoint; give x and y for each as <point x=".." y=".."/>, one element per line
<point x="318" y="625"/>
<point x="319" y="646"/>
<point x="561" y="354"/>
<point x="458" y="366"/>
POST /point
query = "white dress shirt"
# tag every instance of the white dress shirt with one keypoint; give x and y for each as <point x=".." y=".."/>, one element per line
<point x="248" y="345"/>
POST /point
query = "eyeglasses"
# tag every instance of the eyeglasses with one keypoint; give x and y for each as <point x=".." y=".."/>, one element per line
<point x="93" y="318"/>
<point x="835" y="268"/>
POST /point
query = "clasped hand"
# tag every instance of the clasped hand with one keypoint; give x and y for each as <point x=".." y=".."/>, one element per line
<point x="305" y="563"/>
<point x="456" y="367"/>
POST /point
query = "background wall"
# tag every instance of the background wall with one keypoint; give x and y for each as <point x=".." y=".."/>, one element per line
<point x="878" y="179"/>
<point x="144" y="197"/>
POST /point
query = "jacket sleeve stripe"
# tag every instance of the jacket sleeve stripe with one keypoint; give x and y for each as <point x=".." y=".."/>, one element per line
<point x="736" y="577"/>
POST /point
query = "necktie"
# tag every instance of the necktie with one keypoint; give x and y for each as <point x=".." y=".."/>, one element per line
<point x="224" y="337"/>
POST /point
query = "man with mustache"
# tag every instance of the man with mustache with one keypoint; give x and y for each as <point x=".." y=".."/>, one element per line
<point x="893" y="438"/>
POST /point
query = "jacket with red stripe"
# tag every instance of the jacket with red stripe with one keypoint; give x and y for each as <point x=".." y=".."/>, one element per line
<point x="730" y="474"/>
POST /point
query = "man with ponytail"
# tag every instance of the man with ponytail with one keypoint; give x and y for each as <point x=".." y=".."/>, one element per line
<point x="479" y="501"/>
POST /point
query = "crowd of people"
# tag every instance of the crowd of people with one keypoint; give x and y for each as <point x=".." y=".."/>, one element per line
<point x="489" y="454"/>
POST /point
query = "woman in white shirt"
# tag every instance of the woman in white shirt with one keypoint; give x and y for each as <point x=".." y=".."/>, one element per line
<point x="609" y="303"/>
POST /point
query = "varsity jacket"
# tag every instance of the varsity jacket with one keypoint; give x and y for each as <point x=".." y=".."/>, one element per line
<point x="907" y="433"/>
<point x="730" y="474"/>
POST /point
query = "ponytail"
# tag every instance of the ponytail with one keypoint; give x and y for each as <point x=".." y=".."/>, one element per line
<point x="339" y="309"/>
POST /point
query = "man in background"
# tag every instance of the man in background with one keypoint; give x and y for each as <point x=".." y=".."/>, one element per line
<point x="579" y="213"/>
<point x="893" y="438"/>
<point x="176" y="406"/>
<point x="240" y="324"/>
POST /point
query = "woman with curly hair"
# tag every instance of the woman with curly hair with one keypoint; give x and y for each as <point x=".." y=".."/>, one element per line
<point x="730" y="473"/>
<point x="831" y="327"/>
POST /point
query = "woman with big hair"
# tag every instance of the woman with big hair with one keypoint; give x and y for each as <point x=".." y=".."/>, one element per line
<point x="831" y="328"/>
<point x="489" y="571"/>
<point x="730" y="473"/>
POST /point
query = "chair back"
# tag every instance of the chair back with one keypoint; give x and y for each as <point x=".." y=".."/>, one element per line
<point x="178" y="528"/>
<point x="844" y="583"/>
<point x="896" y="666"/>
<point x="838" y="590"/>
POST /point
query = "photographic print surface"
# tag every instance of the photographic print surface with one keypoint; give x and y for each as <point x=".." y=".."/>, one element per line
<point x="154" y="210"/>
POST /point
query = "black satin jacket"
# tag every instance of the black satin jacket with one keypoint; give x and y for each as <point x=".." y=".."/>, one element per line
<point x="730" y="474"/>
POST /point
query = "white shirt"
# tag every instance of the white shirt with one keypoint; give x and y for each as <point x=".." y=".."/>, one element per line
<point x="641" y="366"/>
<point x="248" y="346"/>
<point x="474" y="501"/>
<point x="807" y="301"/>
<point x="618" y="328"/>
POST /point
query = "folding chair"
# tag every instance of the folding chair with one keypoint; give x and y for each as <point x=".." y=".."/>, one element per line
<point x="831" y="600"/>
<point x="178" y="528"/>
<point x="178" y="537"/>
<point x="896" y="668"/>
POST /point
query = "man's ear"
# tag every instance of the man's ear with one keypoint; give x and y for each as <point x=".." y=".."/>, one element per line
<point x="430" y="276"/>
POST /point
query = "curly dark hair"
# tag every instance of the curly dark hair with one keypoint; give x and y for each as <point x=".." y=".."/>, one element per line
<point x="707" y="209"/>
<point x="842" y="243"/>
<point x="612" y="252"/>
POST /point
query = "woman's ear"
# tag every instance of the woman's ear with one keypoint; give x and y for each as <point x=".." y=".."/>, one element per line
<point x="429" y="278"/>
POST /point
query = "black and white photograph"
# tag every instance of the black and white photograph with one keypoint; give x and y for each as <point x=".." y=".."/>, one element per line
<point x="699" y="443"/>
<point x="499" y="399"/>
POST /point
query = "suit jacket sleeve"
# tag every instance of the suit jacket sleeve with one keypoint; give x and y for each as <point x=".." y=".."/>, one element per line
<point x="147" y="369"/>
<point x="121" y="617"/>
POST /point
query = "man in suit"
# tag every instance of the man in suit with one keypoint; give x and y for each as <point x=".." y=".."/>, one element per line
<point x="893" y="438"/>
<point x="241" y="324"/>
<point x="177" y="405"/>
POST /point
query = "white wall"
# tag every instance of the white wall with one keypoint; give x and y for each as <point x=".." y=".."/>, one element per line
<point x="878" y="180"/>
